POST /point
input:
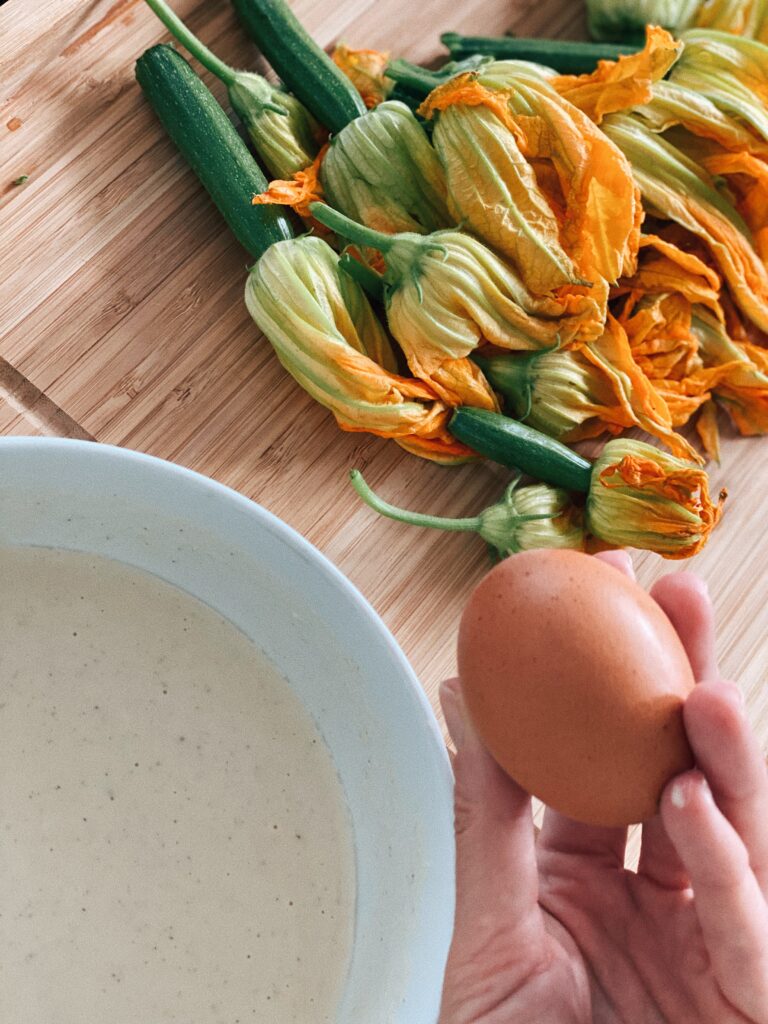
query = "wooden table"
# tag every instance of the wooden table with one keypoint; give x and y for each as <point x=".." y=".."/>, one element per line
<point x="122" y="320"/>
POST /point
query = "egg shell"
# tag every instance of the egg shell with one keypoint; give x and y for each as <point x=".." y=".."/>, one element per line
<point x="575" y="680"/>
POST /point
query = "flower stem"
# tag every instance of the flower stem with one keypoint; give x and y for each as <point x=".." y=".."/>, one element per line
<point x="403" y="516"/>
<point x="368" y="279"/>
<point x="419" y="81"/>
<point x="347" y="228"/>
<point x="179" y="30"/>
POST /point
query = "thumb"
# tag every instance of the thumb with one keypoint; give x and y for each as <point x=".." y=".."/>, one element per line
<point x="496" y="874"/>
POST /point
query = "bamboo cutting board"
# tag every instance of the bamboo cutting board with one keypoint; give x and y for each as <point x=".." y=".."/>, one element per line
<point x="121" y="319"/>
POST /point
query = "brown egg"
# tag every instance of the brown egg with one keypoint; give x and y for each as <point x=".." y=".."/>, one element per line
<point x="575" y="679"/>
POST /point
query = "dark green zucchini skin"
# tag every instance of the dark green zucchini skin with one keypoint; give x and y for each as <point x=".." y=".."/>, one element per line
<point x="306" y="70"/>
<point x="517" y="446"/>
<point x="211" y="146"/>
<point x="567" y="56"/>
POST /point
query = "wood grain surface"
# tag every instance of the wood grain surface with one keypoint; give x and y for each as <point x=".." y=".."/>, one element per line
<point x="121" y="319"/>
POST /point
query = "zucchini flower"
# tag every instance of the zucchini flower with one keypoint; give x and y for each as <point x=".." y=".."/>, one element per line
<point x="493" y="190"/>
<point x="328" y="338"/>
<point x="741" y="17"/>
<point x="366" y="71"/>
<point x="445" y="294"/>
<point x="675" y="105"/>
<point x="623" y="83"/>
<point x="624" y="21"/>
<point x="382" y="171"/>
<point x="556" y="391"/>
<point x="575" y="394"/>
<point x="586" y="176"/>
<point x="675" y="187"/>
<point x="730" y="72"/>
<point x="537" y="516"/>
<point x="284" y="133"/>
<point x="738" y="374"/>
<point x="581" y="176"/>
<point x="641" y="497"/>
<point x="721" y="88"/>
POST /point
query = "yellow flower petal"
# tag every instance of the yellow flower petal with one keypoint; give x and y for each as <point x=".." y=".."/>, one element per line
<point x="301" y="190"/>
<point x="748" y="177"/>
<point x="365" y="69"/>
<point x="624" y="83"/>
<point x="641" y="401"/>
<point x="706" y="428"/>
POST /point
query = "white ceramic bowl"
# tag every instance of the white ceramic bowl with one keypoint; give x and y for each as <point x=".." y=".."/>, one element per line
<point x="326" y="640"/>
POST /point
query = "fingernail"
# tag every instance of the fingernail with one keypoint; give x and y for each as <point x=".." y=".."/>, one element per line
<point x="450" y="702"/>
<point x="677" y="796"/>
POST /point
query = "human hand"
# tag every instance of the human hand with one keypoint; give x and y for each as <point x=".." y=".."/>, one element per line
<point x="551" y="929"/>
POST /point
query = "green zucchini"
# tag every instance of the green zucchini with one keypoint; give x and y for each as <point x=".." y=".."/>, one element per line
<point x="208" y="141"/>
<point x="567" y="56"/>
<point x="306" y="70"/>
<point x="514" y="445"/>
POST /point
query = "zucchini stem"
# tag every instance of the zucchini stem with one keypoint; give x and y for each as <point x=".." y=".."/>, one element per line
<point x="350" y="229"/>
<point x="470" y="525"/>
<point x="198" y="49"/>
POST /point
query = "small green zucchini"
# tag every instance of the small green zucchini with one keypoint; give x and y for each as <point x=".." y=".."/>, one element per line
<point x="208" y="141"/>
<point x="514" y="445"/>
<point x="306" y="70"/>
<point x="568" y="57"/>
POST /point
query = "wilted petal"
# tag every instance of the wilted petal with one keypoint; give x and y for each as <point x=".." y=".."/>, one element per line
<point x="623" y="83"/>
<point x="366" y="70"/>
<point x="297" y="192"/>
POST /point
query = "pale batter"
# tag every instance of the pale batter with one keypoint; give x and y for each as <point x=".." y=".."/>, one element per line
<point x="174" y="845"/>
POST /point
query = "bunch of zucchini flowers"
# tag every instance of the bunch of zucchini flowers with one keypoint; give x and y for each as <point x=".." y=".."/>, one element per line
<point x="497" y="259"/>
